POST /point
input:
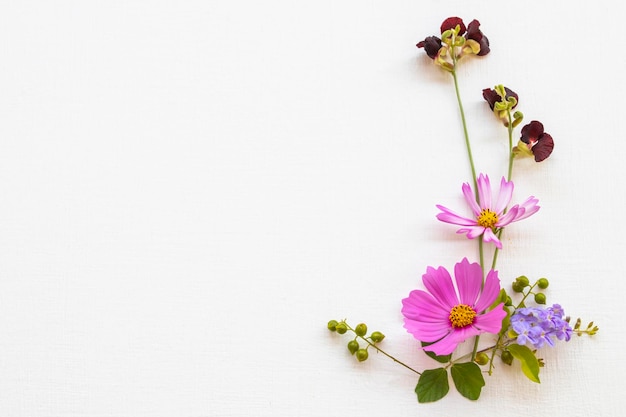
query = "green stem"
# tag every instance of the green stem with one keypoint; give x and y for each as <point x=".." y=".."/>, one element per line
<point x="380" y="350"/>
<point x="473" y="168"/>
<point x="509" y="175"/>
<point x="467" y="141"/>
<point x="389" y="356"/>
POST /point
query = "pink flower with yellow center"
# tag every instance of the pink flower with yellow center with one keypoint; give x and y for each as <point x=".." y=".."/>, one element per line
<point x="447" y="315"/>
<point x="489" y="215"/>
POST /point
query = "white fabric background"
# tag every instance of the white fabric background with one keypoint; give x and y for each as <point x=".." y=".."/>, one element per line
<point x="190" y="190"/>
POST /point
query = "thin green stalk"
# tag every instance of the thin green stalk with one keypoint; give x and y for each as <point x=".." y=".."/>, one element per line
<point x="389" y="356"/>
<point x="471" y="161"/>
<point x="366" y="340"/>
<point x="509" y="176"/>
<point x="467" y="141"/>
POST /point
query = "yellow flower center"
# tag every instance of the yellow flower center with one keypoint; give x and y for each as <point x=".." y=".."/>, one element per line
<point x="487" y="218"/>
<point x="461" y="315"/>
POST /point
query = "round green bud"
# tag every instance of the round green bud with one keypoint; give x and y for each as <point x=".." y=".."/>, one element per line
<point x="377" y="337"/>
<point x="507" y="357"/>
<point x="523" y="281"/>
<point x="540" y="298"/>
<point x="353" y="346"/>
<point x="360" y="329"/>
<point x="361" y="355"/>
<point x="543" y="283"/>
<point x="517" y="287"/>
<point x="482" y="358"/>
<point x="341" y="328"/>
<point x="332" y="325"/>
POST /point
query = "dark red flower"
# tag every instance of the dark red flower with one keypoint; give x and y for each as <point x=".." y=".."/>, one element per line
<point x="492" y="97"/>
<point x="431" y="45"/>
<point x="451" y="23"/>
<point x="474" y="33"/>
<point x="539" y="142"/>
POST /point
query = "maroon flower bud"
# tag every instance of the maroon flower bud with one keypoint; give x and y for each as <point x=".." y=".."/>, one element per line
<point x="474" y="33"/>
<point x="431" y="45"/>
<point x="492" y="97"/>
<point x="451" y="23"/>
<point x="540" y="143"/>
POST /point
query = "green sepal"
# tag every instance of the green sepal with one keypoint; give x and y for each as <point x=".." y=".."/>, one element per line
<point x="432" y="385"/>
<point x="468" y="379"/>
<point x="501" y="298"/>
<point x="530" y="364"/>
<point x="440" y="359"/>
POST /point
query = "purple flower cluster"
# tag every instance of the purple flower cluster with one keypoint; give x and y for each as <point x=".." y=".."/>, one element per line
<point x="538" y="326"/>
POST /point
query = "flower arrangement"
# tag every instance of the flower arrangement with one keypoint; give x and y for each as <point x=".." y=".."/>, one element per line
<point x="473" y="305"/>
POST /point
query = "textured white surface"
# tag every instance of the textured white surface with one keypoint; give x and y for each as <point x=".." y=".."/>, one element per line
<point x="191" y="189"/>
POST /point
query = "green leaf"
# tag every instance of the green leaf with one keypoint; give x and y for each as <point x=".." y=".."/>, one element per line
<point x="530" y="364"/>
<point x="440" y="359"/>
<point x="432" y="385"/>
<point x="468" y="379"/>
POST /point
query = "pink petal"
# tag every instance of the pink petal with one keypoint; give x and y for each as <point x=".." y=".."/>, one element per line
<point x="439" y="283"/>
<point x="489" y="236"/>
<point x="491" y="289"/>
<point x="504" y="197"/>
<point x="427" y="332"/>
<point x="449" y="343"/>
<point x="491" y="322"/>
<point x="530" y="206"/>
<point x="472" y="232"/>
<point x="448" y="216"/>
<point x="469" y="279"/>
<point x="470" y="198"/>
<point x="510" y="216"/>
<point x="484" y="191"/>
<point x="421" y="305"/>
<point x="445" y="346"/>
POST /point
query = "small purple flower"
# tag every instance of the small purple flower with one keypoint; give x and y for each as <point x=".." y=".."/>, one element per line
<point x="539" y="143"/>
<point x="540" y="326"/>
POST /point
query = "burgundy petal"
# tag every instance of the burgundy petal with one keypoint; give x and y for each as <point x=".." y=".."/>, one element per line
<point x="451" y="22"/>
<point x="531" y="132"/>
<point x="431" y="45"/>
<point x="474" y="33"/>
<point x="492" y="97"/>
<point x="543" y="148"/>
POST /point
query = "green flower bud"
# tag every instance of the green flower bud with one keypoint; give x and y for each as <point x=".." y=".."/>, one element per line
<point x="507" y="357"/>
<point x="361" y="355"/>
<point x="540" y="298"/>
<point x="332" y="325"/>
<point x="522" y="280"/>
<point x="517" y="287"/>
<point x="482" y="358"/>
<point x="377" y="337"/>
<point x="353" y="346"/>
<point x="341" y="328"/>
<point x="543" y="283"/>
<point x="360" y="329"/>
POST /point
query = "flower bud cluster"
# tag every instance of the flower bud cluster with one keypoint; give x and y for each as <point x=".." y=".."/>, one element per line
<point x="360" y="331"/>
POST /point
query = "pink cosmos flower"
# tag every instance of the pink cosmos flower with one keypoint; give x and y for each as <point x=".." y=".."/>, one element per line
<point x="489" y="215"/>
<point x="448" y="316"/>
